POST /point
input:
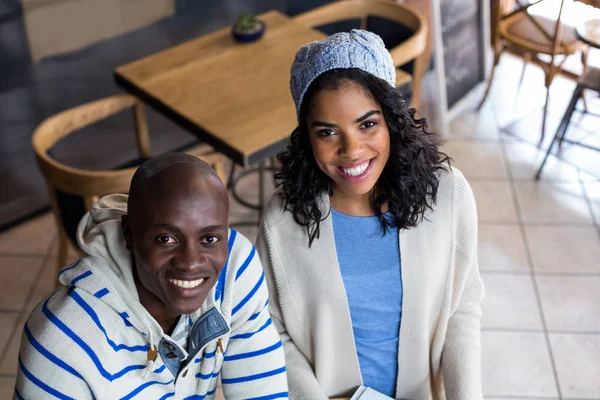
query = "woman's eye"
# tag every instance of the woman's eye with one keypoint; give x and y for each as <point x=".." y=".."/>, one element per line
<point x="210" y="239"/>
<point x="368" y="124"/>
<point x="165" y="239"/>
<point x="325" y="133"/>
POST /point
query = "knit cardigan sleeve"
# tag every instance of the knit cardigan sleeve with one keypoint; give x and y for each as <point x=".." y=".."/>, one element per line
<point x="303" y="384"/>
<point x="461" y="354"/>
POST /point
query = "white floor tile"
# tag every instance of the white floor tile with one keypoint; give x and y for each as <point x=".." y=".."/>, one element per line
<point x="516" y="364"/>
<point x="571" y="303"/>
<point x="564" y="249"/>
<point x="509" y="302"/>
<point x="552" y="203"/>
<point x="577" y="360"/>
<point x="501" y="248"/>
<point x="476" y="159"/>
<point x="494" y="201"/>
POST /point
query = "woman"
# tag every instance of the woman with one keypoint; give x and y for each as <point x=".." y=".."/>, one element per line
<point x="369" y="246"/>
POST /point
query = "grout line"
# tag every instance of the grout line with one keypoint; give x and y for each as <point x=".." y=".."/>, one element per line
<point x="23" y="313"/>
<point x="552" y="153"/>
<point x="22" y="255"/>
<point x="534" y="397"/>
<point x="532" y="270"/>
<point x="533" y="330"/>
<point x="8" y="375"/>
<point x="536" y="223"/>
<point x="527" y="224"/>
<point x="9" y="311"/>
<point x="472" y="178"/>
<point x="557" y="274"/>
<point x="590" y="207"/>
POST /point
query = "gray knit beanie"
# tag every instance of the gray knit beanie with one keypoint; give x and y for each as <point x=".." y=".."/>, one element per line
<point x="356" y="49"/>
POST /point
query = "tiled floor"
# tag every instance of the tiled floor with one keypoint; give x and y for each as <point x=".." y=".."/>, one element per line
<point x="539" y="242"/>
<point x="539" y="248"/>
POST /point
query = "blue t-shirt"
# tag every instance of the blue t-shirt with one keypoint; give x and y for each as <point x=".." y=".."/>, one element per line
<point x="370" y="266"/>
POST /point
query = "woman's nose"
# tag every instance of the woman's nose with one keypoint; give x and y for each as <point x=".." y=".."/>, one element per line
<point x="350" y="145"/>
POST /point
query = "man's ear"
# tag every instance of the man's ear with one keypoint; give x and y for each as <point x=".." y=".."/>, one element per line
<point x="126" y="228"/>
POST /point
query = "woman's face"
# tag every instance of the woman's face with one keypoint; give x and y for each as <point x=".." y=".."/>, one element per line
<point x="350" y="138"/>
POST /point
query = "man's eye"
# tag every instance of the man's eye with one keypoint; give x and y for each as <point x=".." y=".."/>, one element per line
<point x="165" y="239"/>
<point x="368" y="124"/>
<point x="210" y="239"/>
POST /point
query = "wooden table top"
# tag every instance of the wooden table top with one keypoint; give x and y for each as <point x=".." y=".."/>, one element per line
<point x="233" y="96"/>
<point x="589" y="32"/>
<point x="593" y="3"/>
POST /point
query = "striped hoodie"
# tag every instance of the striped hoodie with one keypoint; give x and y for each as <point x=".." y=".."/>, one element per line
<point x="90" y="338"/>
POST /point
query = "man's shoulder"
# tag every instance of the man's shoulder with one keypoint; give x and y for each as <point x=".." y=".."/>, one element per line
<point x="52" y="319"/>
<point x="69" y="312"/>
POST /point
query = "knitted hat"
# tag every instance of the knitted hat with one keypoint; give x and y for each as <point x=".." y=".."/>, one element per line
<point x="356" y="49"/>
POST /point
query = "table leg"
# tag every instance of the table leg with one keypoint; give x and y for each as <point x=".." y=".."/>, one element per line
<point x="261" y="169"/>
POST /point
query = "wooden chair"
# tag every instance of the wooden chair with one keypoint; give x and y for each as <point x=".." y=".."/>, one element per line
<point x="412" y="49"/>
<point x="82" y="187"/>
<point x="533" y="36"/>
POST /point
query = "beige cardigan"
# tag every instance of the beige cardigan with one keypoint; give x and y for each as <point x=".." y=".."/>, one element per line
<point x="439" y="346"/>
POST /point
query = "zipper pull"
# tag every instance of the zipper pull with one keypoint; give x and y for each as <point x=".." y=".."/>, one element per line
<point x="220" y="344"/>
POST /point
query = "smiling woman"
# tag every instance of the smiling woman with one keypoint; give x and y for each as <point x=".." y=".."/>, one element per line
<point x="369" y="246"/>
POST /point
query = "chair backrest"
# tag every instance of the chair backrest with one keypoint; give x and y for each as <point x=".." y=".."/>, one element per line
<point x="505" y="11"/>
<point x="81" y="188"/>
<point x="361" y="10"/>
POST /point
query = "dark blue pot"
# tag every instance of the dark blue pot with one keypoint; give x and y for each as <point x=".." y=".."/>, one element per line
<point x="249" y="37"/>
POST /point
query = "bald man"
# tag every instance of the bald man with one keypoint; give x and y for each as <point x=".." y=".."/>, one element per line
<point x="166" y="300"/>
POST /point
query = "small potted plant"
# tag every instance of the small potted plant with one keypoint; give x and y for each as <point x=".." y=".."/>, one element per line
<point x="248" y="28"/>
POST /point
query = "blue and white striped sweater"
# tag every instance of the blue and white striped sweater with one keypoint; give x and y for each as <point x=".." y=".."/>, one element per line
<point x="90" y="338"/>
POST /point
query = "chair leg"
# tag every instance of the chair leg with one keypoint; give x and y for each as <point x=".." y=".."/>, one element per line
<point x="545" y="114"/>
<point x="526" y="61"/>
<point x="229" y="183"/>
<point x="570" y="109"/>
<point x="141" y="128"/>
<point x="562" y="128"/>
<point x="418" y="72"/>
<point x="497" y="54"/>
<point x="584" y="55"/>
<point x="63" y="251"/>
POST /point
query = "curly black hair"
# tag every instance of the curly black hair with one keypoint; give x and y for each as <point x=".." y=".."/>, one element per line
<point x="409" y="181"/>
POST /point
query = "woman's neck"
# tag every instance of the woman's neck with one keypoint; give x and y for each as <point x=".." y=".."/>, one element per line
<point x="356" y="205"/>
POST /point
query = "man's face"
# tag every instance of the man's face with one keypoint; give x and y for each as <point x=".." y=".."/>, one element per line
<point x="178" y="238"/>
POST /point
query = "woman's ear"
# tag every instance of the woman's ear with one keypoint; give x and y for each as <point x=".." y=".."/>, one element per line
<point x="127" y="234"/>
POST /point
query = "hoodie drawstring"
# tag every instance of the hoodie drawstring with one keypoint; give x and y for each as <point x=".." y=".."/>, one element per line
<point x="152" y="354"/>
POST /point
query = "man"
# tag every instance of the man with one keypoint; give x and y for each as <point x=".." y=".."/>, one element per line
<point x="166" y="300"/>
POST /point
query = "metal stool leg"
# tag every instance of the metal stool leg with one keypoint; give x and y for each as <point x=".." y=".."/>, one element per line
<point x="562" y="128"/>
<point x="576" y="95"/>
<point x="231" y="173"/>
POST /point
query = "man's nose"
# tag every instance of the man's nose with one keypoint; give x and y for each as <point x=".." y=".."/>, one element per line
<point x="191" y="256"/>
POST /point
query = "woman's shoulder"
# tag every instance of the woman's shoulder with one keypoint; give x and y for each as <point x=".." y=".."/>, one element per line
<point x="452" y="182"/>
<point x="454" y="193"/>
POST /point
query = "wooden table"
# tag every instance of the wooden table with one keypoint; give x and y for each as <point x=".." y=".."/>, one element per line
<point x="233" y="96"/>
<point x="593" y="3"/>
<point x="589" y="32"/>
